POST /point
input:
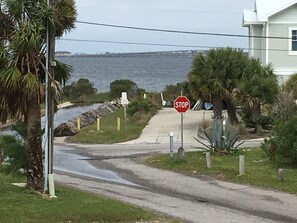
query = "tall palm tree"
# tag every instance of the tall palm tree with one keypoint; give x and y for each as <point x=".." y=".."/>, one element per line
<point x="22" y="46"/>
<point x="214" y="76"/>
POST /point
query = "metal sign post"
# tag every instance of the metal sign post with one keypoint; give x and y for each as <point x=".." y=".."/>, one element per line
<point x="124" y="102"/>
<point x="171" y="144"/>
<point x="182" y="130"/>
<point x="181" y="105"/>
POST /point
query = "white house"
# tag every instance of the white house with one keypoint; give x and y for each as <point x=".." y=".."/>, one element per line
<point x="273" y="34"/>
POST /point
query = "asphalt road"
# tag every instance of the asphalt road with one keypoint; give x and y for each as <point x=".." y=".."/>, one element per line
<point x="117" y="171"/>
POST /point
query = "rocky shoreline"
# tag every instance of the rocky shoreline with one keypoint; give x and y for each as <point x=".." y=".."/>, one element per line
<point x="69" y="128"/>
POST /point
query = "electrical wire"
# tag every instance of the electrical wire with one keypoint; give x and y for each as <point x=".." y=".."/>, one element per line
<point x="160" y="10"/>
<point x="161" y="44"/>
<point x="179" y="31"/>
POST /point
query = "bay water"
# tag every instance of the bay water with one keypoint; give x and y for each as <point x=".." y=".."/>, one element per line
<point x="149" y="73"/>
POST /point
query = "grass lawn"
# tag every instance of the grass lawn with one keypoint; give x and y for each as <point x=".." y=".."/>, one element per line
<point x="259" y="170"/>
<point x="108" y="129"/>
<point x="21" y="205"/>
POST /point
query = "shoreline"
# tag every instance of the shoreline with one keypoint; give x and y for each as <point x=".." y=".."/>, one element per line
<point x="10" y="122"/>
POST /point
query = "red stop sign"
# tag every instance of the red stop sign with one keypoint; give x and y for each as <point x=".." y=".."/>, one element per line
<point x="181" y="104"/>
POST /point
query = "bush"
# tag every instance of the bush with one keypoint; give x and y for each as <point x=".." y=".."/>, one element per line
<point x="291" y="85"/>
<point x="284" y="107"/>
<point x="265" y="122"/>
<point x="123" y="85"/>
<point x="13" y="148"/>
<point x="80" y="90"/>
<point x="284" y="139"/>
<point x="269" y="147"/>
<point x="141" y="106"/>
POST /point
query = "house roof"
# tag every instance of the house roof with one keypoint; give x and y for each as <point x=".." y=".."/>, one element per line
<point x="265" y="9"/>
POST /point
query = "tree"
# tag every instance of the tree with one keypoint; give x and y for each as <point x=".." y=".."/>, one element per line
<point x="77" y="90"/>
<point x="22" y="46"/>
<point x="213" y="78"/>
<point x="123" y="85"/>
<point x="258" y="87"/>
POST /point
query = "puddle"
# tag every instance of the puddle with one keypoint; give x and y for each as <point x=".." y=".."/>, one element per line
<point x="76" y="164"/>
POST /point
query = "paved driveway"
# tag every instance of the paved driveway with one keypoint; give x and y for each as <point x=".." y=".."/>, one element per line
<point x="117" y="171"/>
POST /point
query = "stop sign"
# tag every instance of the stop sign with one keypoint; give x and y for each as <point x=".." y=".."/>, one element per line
<point x="181" y="104"/>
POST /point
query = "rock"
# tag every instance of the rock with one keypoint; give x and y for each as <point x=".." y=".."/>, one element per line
<point x="69" y="128"/>
<point x="65" y="129"/>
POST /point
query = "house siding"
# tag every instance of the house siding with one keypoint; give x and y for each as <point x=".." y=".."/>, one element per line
<point x="279" y="48"/>
<point x="257" y="45"/>
<point x="288" y="15"/>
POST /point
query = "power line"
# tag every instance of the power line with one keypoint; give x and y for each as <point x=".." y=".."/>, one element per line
<point x="161" y="10"/>
<point x="181" y="32"/>
<point x="161" y="44"/>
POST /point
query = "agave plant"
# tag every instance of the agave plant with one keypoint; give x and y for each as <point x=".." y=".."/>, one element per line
<point x="220" y="137"/>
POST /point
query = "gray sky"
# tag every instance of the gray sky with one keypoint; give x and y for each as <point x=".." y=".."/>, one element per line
<point x="214" y="16"/>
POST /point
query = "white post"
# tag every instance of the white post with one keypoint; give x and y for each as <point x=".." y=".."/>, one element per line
<point x="51" y="183"/>
<point x="171" y="144"/>
<point x="241" y="164"/>
<point x="281" y="175"/>
<point x="208" y="160"/>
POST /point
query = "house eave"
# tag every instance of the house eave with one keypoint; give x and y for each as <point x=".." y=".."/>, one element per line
<point x="248" y="24"/>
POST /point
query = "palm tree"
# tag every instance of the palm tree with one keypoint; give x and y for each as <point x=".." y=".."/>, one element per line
<point x="22" y="46"/>
<point x="214" y="76"/>
<point x="258" y="86"/>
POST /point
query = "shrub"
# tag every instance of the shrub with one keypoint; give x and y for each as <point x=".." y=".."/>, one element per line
<point x="269" y="147"/>
<point x="123" y="85"/>
<point x="285" y="138"/>
<point x="263" y="121"/>
<point x="79" y="90"/>
<point x="291" y="85"/>
<point x="13" y="148"/>
<point x="141" y="106"/>
<point x="284" y="107"/>
<point x="221" y="139"/>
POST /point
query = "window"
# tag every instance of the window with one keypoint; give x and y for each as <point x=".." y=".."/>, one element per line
<point x="294" y="40"/>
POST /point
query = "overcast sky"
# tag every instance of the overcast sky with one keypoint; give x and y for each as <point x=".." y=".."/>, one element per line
<point x="211" y="16"/>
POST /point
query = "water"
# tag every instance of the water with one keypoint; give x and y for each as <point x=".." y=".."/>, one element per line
<point x="62" y="115"/>
<point x="65" y="114"/>
<point x="72" y="163"/>
<point x="151" y="74"/>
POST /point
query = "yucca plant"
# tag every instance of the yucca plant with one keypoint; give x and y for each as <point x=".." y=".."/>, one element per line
<point x="220" y="137"/>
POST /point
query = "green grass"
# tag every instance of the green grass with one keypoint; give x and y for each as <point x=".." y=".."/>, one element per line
<point x="108" y="133"/>
<point x="259" y="170"/>
<point x="21" y="205"/>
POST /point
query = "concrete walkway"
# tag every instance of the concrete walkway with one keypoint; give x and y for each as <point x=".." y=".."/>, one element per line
<point x="168" y="120"/>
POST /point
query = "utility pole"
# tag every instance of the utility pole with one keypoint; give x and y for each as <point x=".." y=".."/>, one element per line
<point x="50" y="62"/>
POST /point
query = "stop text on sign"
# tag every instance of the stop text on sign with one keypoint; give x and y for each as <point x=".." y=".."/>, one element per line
<point x="181" y="104"/>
